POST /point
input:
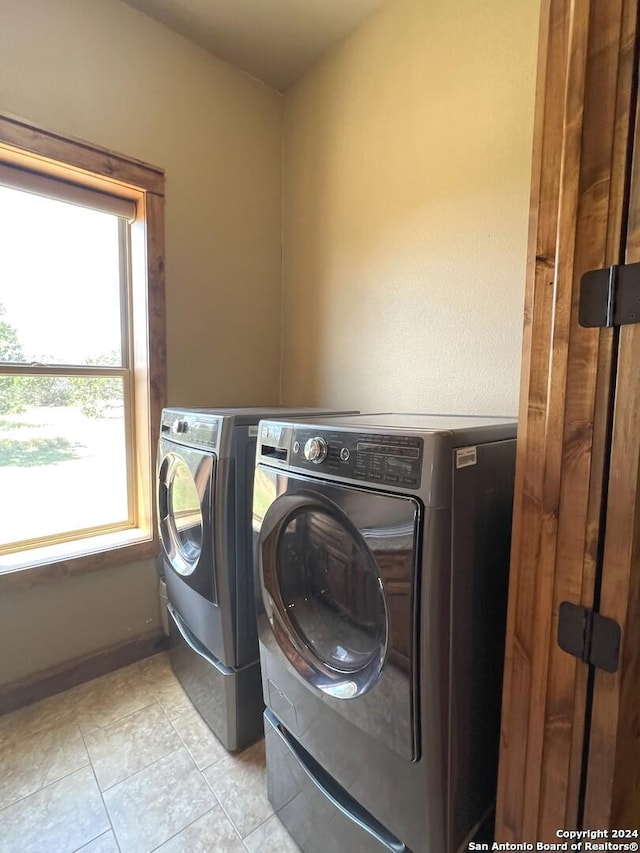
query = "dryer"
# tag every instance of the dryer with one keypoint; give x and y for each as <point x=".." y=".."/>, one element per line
<point x="205" y="469"/>
<point x="382" y="553"/>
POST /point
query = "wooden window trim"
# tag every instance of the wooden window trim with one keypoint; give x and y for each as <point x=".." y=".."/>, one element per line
<point x="29" y="146"/>
<point x="34" y="149"/>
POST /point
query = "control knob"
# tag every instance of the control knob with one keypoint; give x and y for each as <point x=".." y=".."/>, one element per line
<point x="315" y="450"/>
<point x="181" y="426"/>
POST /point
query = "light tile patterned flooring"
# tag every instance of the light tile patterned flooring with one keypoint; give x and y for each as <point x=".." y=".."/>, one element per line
<point x="125" y="764"/>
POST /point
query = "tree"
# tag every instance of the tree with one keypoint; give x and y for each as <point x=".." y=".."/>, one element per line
<point x="93" y="395"/>
<point x="11" y="387"/>
<point x="10" y="349"/>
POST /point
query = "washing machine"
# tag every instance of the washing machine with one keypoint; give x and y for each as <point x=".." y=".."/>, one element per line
<point x="205" y="469"/>
<point x="382" y="553"/>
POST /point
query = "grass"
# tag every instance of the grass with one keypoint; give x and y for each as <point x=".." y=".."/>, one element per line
<point x="7" y="424"/>
<point x="37" y="451"/>
<point x="67" y="472"/>
<point x="264" y="492"/>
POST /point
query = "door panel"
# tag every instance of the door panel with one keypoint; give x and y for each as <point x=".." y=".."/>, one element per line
<point x="326" y="575"/>
<point x="325" y="587"/>
<point x="184" y="516"/>
<point x="185" y="504"/>
<point x="585" y="82"/>
<point x="330" y="589"/>
<point x="613" y="773"/>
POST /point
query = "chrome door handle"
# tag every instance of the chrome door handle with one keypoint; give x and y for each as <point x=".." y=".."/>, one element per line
<point x="194" y="645"/>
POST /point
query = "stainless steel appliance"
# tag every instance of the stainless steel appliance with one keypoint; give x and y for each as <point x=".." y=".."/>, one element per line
<point x="205" y="468"/>
<point x="382" y="550"/>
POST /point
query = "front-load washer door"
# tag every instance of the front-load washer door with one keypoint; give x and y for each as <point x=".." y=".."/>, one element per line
<point x="338" y="573"/>
<point x="185" y="496"/>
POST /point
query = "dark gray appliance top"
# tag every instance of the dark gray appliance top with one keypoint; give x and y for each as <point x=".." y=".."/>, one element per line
<point x="250" y="415"/>
<point x="472" y="427"/>
<point x="213" y="429"/>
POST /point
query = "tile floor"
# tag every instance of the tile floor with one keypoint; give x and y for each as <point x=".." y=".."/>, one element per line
<point x="125" y="763"/>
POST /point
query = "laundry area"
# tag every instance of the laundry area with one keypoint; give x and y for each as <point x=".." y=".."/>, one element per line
<point x="309" y="447"/>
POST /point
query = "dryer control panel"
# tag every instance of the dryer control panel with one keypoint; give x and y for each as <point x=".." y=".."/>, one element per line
<point x="190" y="428"/>
<point x="377" y="458"/>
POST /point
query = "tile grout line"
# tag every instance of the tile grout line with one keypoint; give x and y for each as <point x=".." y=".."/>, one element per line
<point x="43" y="728"/>
<point x="166" y="840"/>
<point x="219" y="801"/>
<point x="256" y="828"/>
<point x="151" y="763"/>
<point x="117" y="720"/>
<point x="201" y="772"/>
<point x="72" y="717"/>
<point x="102" y="800"/>
<point x="148" y="684"/>
<point x="54" y="726"/>
<point x="48" y="785"/>
<point x="104" y="728"/>
<point x="141" y="770"/>
<point x="77" y="718"/>
<point x="155" y="701"/>
<point x="175" y="834"/>
<point x="76" y="688"/>
<point x="102" y="834"/>
<point x="233" y="824"/>
<point x="191" y="755"/>
<point x="180" y="738"/>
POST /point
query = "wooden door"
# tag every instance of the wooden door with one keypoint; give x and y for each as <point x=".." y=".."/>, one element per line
<point x="570" y="735"/>
<point x="613" y="759"/>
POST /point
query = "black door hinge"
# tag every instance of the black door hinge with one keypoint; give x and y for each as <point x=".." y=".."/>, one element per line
<point x="587" y="635"/>
<point x="610" y="296"/>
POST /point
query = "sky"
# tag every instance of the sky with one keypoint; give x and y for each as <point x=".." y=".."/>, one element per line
<point x="59" y="278"/>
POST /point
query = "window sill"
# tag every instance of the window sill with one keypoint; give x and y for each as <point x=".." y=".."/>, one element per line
<point x="68" y="559"/>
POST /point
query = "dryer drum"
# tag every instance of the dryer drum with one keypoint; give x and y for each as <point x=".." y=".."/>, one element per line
<point x="327" y="605"/>
<point x="181" y="496"/>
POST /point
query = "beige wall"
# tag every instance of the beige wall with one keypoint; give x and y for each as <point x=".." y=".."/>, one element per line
<point x="103" y="72"/>
<point x="51" y="623"/>
<point x="407" y="156"/>
<point x="406" y="184"/>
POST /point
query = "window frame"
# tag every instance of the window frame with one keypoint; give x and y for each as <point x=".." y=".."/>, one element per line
<point x="32" y="149"/>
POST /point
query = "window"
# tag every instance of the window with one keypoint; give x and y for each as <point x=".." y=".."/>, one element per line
<point x="81" y="350"/>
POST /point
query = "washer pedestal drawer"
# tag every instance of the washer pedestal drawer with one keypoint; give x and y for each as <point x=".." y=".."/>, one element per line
<point x="318" y="813"/>
<point x="229" y="700"/>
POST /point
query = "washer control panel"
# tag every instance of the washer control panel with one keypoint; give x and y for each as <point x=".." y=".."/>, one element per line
<point x="395" y="460"/>
<point x="191" y="429"/>
<point x="316" y="450"/>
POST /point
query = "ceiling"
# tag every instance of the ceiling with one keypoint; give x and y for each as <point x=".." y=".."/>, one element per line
<point x="273" y="40"/>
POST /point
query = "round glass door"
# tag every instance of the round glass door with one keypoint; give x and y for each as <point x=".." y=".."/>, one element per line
<point x="183" y="518"/>
<point x="324" y="584"/>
